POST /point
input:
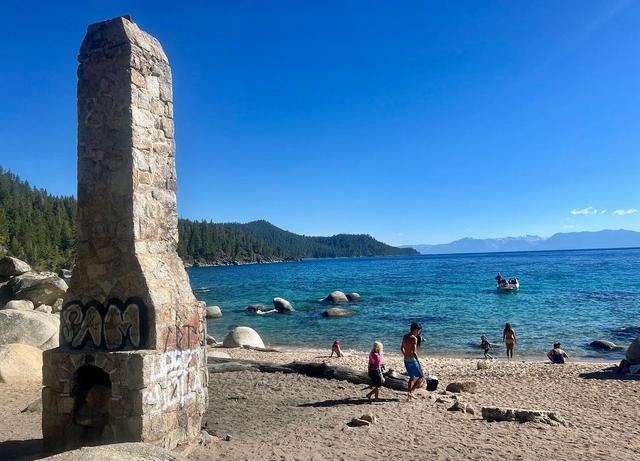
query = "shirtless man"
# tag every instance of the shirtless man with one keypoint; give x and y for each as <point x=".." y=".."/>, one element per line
<point x="409" y="349"/>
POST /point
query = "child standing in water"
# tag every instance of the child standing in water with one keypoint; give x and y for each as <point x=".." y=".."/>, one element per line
<point x="375" y="370"/>
<point x="486" y="346"/>
<point x="509" y="339"/>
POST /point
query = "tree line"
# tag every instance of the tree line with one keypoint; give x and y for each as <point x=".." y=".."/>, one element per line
<point x="40" y="228"/>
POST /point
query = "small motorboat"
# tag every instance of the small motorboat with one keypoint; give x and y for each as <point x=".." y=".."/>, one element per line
<point x="507" y="285"/>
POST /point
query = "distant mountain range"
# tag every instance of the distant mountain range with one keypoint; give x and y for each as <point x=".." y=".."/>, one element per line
<point x="561" y="241"/>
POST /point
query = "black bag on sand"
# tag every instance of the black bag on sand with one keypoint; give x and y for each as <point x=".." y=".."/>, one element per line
<point x="432" y="383"/>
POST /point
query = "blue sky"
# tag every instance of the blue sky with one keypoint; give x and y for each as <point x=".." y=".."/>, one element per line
<point x="416" y="122"/>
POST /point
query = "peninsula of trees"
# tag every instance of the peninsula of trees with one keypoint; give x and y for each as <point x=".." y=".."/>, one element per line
<point x="40" y="228"/>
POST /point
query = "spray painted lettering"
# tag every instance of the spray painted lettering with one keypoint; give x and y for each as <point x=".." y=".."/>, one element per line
<point x="115" y="326"/>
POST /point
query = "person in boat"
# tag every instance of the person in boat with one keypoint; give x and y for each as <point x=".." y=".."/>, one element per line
<point x="509" y="339"/>
<point x="335" y="348"/>
<point x="376" y="367"/>
<point x="512" y="281"/>
<point x="499" y="278"/>
<point x="557" y="355"/>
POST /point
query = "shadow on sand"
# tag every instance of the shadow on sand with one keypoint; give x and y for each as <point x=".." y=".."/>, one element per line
<point x="609" y="373"/>
<point x="21" y="449"/>
<point x="348" y="401"/>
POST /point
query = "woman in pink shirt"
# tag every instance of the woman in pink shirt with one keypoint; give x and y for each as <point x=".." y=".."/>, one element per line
<point x="375" y="370"/>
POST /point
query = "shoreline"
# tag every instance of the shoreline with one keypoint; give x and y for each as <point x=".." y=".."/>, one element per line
<point x="426" y="355"/>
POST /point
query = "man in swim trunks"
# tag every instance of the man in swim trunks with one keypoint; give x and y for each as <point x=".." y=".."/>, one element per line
<point x="409" y="349"/>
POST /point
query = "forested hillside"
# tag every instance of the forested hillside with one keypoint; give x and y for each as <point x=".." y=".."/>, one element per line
<point x="40" y="228"/>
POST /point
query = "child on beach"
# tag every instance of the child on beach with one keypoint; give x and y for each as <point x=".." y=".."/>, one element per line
<point x="509" y="339"/>
<point x="486" y="346"/>
<point x="335" y="348"/>
<point x="375" y="370"/>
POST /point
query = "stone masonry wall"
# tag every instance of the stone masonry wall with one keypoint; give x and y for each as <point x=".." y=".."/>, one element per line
<point x="128" y="225"/>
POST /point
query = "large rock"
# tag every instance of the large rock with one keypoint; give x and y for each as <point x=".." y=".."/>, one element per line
<point x="19" y="305"/>
<point x="20" y="363"/>
<point x="38" y="288"/>
<point x="213" y="312"/>
<point x="353" y="297"/>
<point x="337" y="312"/>
<point x="633" y="352"/>
<point x="243" y="336"/>
<point x="604" y="345"/>
<point x="131" y="451"/>
<point x="29" y="327"/>
<point x="282" y="305"/>
<point x="336" y="297"/>
<point x="255" y="308"/>
<point x="10" y="267"/>
<point x="466" y="386"/>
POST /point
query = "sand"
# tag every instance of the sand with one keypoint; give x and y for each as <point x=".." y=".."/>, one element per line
<point x="289" y="416"/>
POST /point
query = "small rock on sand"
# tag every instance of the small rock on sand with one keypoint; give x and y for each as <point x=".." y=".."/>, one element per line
<point x="458" y="406"/>
<point x="372" y="419"/>
<point x="483" y="364"/>
<point x="357" y="422"/>
<point x="243" y="336"/>
<point x="466" y="386"/>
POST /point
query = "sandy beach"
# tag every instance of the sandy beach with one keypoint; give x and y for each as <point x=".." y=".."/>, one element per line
<point x="255" y="415"/>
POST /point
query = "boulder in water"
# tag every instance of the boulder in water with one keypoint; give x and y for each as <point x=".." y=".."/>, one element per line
<point x="19" y="305"/>
<point x="10" y="267"/>
<point x="633" y="352"/>
<point x="213" y="312"/>
<point x="20" y="363"/>
<point x="243" y="336"/>
<point x="336" y="297"/>
<point x="282" y="305"/>
<point x="337" y="312"/>
<point x="254" y="308"/>
<point x="29" y="327"/>
<point x="43" y="288"/>
<point x="604" y="345"/>
<point x="353" y="297"/>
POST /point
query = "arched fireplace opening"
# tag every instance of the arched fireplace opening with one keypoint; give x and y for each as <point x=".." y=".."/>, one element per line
<point x="92" y="401"/>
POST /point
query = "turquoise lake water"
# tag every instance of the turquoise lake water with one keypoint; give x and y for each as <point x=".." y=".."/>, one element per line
<point x="569" y="296"/>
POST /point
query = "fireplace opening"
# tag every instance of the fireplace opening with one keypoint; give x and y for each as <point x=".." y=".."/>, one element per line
<point x="92" y="399"/>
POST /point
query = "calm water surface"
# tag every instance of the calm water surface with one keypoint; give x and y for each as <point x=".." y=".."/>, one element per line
<point x="568" y="296"/>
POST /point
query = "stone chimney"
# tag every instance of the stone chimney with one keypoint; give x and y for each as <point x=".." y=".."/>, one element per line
<point x="131" y="365"/>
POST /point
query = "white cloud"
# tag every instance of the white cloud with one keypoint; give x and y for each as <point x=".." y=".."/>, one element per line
<point x="623" y="212"/>
<point x="603" y="211"/>
<point x="584" y="211"/>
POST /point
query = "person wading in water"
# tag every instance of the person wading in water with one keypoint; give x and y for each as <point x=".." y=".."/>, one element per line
<point x="409" y="349"/>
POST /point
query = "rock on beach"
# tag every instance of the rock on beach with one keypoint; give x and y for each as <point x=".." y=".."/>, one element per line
<point x="34" y="328"/>
<point x="633" y="352"/>
<point x="243" y="336"/>
<point x="10" y="267"/>
<point x="20" y="363"/>
<point x="43" y="288"/>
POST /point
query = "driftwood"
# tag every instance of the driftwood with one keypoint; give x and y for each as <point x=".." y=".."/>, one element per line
<point x="311" y="369"/>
